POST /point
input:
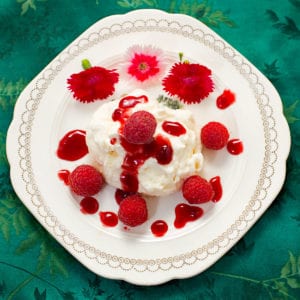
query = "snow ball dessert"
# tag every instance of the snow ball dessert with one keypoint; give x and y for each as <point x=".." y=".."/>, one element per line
<point x="144" y="146"/>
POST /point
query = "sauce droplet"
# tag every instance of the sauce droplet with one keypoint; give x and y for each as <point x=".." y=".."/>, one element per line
<point x="120" y="195"/>
<point x="225" y="99"/>
<point x="108" y="218"/>
<point x="64" y="176"/>
<point x="159" y="228"/>
<point x="173" y="128"/>
<point x="89" y="205"/>
<point x="72" y="146"/>
<point x="235" y="147"/>
<point x="217" y="187"/>
<point x="186" y="213"/>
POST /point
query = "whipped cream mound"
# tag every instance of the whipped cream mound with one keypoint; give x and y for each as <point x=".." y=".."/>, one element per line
<point x="105" y="146"/>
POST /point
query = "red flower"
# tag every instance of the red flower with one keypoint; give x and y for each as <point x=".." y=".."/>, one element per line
<point x="190" y="82"/>
<point x="93" y="83"/>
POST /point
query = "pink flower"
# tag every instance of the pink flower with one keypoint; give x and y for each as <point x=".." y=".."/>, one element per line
<point x="144" y="64"/>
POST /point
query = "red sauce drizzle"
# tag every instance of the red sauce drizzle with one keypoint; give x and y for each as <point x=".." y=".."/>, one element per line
<point x="120" y="195"/>
<point x="136" y="154"/>
<point x="159" y="228"/>
<point x="217" y="187"/>
<point x="173" y="128"/>
<point x="109" y="218"/>
<point x="113" y="141"/>
<point x="64" y="176"/>
<point x="186" y="213"/>
<point x="235" y="147"/>
<point x="226" y="99"/>
<point x="72" y="146"/>
<point x="89" y="205"/>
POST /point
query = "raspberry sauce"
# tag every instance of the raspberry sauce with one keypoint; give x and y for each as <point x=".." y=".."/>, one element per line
<point x="225" y="99"/>
<point x="217" y="187"/>
<point x="173" y="128"/>
<point x="159" y="228"/>
<point x="72" y="146"/>
<point x="159" y="148"/>
<point x="120" y="195"/>
<point x="186" y="213"/>
<point x="64" y="176"/>
<point x="235" y="147"/>
<point x="89" y="205"/>
<point x="136" y="154"/>
<point x="108" y="218"/>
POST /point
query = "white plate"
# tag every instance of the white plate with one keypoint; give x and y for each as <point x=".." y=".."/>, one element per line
<point x="45" y="111"/>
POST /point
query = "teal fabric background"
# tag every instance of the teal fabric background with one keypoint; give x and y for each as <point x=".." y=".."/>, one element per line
<point x="264" y="264"/>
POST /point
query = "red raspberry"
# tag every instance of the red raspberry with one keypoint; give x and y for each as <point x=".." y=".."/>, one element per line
<point x="214" y="135"/>
<point x="197" y="190"/>
<point x="140" y="127"/>
<point x="133" y="211"/>
<point x="86" y="181"/>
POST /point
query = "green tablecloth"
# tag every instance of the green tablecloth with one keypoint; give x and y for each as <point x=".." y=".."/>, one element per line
<point x="265" y="264"/>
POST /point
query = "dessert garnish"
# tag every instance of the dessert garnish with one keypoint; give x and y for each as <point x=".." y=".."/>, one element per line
<point x="225" y="99"/>
<point x="72" y="146"/>
<point x="133" y="211"/>
<point x="191" y="82"/>
<point x="89" y="205"/>
<point x="197" y="190"/>
<point x="139" y="128"/>
<point x="144" y="64"/>
<point x="235" y="146"/>
<point x="170" y="102"/>
<point x="185" y="213"/>
<point x="214" y="135"/>
<point x="93" y="83"/>
<point x="85" y="180"/>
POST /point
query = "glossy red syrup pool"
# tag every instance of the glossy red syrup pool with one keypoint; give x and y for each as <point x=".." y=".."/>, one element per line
<point x="217" y="187"/>
<point x="136" y="154"/>
<point x="186" y="213"/>
<point x="235" y="146"/>
<point x="89" y="205"/>
<point x="173" y="128"/>
<point x="108" y="218"/>
<point x="64" y="176"/>
<point x="72" y="146"/>
<point x="120" y="195"/>
<point x="226" y="99"/>
<point x="159" y="228"/>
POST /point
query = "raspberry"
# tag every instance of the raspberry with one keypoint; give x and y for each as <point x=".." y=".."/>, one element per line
<point x="139" y="128"/>
<point x="133" y="211"/>
<point x="86" y="181"/>
<point x="197" y="190"/>
<point x="214" y="135"/>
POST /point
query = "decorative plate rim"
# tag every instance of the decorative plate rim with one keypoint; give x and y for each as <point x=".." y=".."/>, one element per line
<point x="274" y="125"/>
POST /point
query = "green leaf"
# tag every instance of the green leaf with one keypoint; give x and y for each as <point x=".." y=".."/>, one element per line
<point x="293" y="283"/>
<point x="38" y="295"/>
<point x="286" y="269"/>
<point x="289" y="112"/>
<point x="293" y="263"/>
<point x="56" y="265"/>
<point x="124" y="3"/>
<point x="29" y="243"/>
<point x="43" y="257"/>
